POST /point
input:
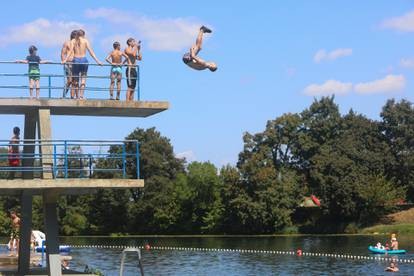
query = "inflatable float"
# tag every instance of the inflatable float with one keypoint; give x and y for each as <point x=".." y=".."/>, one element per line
<point x="383" y="251"/>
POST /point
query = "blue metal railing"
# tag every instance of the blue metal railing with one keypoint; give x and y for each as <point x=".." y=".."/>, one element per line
<point x="94" y="83"/>
<point x="71" y="158"/>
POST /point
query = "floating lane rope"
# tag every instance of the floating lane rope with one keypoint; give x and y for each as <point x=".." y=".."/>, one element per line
<point x="254" y="251"/>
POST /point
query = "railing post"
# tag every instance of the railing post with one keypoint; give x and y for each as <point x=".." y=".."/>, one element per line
<point x="124" y="160"/>
<point x="90" y="165"/>
<point x="64" y="82"/>
<point x="50" y="86"/>
<point x="66" y="159"/>
<point x="137" y="157"/>
<point x="55" y="169"/>
<point x="138" y="86"/>
<point x="81" y="165"/>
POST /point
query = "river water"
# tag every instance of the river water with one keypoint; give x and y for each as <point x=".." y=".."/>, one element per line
<point x="172" y="262"/>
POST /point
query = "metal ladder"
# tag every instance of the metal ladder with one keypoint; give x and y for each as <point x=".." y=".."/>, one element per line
<point x="131" y="250"/>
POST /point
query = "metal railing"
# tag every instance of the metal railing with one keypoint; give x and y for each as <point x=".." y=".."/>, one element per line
<point x="70" y="158"/>
<point x="56" y="82"/>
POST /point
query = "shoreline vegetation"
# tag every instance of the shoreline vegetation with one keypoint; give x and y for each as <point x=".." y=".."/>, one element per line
<point x="359" y="169"/>
<point x="362" y="233"/>
<point x="382" y="229"/>
<point x="226" y="236"/>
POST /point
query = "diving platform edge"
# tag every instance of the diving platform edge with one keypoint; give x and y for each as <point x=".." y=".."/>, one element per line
<point x="87" y="107"/>
<point x="66" y="186"/>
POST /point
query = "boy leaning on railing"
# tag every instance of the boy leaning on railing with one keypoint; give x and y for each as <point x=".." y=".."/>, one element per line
<point x="34" y="72"/>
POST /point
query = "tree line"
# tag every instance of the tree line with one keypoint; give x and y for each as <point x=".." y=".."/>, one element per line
<point x="360" y="169"/>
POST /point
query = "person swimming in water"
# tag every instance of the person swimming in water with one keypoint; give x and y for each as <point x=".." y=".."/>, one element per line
<point x="115" y="59"/>
<point x="193" y="60"/>
<point x="392" y="267"/>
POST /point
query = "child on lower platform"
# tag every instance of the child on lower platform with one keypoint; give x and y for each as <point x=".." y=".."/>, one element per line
<point x="34" y="71"/>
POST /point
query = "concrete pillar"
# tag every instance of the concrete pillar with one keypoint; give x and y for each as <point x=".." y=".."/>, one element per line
<point x="25" y="231"/>
<point x="27" y="195"/>
<point x="50" y="198"/>
<point x="45" y="134"/>
<point x="30" y="120"/>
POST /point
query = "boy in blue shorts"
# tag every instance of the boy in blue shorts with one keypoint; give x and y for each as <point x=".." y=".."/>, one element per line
<point x="115" y="59"/>
<point x="77" y="52"/>
<point x="34" y="72"/>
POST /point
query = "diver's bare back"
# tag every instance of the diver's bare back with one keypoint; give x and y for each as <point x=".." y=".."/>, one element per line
<point x="116" y="57"/>
<point x="80" y="47"/>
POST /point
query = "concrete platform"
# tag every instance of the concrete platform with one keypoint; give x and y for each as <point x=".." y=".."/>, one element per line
<point x="109" y="108"/>
<point x="8" y="266"/>
<point x="66" y="186"/>
<point x="10" y="262"/>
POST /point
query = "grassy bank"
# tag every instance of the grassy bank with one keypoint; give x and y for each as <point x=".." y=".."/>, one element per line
<point x="404" y="228"/>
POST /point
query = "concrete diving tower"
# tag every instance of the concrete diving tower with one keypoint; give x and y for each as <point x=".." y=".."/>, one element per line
<point x="37" y="125"/>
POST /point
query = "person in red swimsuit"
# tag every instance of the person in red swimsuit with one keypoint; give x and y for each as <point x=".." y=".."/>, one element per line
<point x="14" y="158"/>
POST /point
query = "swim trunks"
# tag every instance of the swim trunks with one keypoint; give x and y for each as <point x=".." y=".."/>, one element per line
<point x="80" y="67"/>
<point x="131" y="74"/>
<point x="116" y="70"/>
<point x="14" y="162"/>
<point x="15" y="234"/>
<point x="34" y="74"/>
<point x="68" y="70"/>
<point x="13" y="158"/>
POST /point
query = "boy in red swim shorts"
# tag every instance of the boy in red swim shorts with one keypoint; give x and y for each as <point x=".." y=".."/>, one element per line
<point x="13" y="150"/>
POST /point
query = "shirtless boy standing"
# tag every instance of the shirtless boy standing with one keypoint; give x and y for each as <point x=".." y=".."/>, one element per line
<point x="78" y="48"/>
<point x="15" y="234"/>
<point x="13" y="151"/>
<point x="68" y="66"/>
<point x="133" y="51"/>
<point x="115" y="59"/>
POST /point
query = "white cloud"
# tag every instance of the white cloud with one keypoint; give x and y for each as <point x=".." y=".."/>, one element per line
<point x="323" y="55"/>
<point x="404" y="23"/>
<point x="188" y="155"/>
<point x="391" y="83"/>
<point x="40" y="32"/>
<point x="167" y="34"/>
<point x="407" y="62"/>
<point x="328" y="88"/>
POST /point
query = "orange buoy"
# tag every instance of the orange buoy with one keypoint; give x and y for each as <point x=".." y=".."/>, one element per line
<point x="147" y="247"/>
<point x="299" y="252"/>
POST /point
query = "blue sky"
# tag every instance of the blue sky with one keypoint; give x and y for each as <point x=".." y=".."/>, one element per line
<point x="273" y="57"/>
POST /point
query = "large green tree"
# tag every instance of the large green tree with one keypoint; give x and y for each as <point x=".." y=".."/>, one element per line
<point x="398" y="128"/>
<point x="160" y="168"/>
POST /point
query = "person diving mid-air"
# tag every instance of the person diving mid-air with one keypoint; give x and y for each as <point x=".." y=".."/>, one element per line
<point x="192" y="59"/>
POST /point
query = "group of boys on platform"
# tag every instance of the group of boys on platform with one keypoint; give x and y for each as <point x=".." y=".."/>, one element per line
<point x="73" y="57"/>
